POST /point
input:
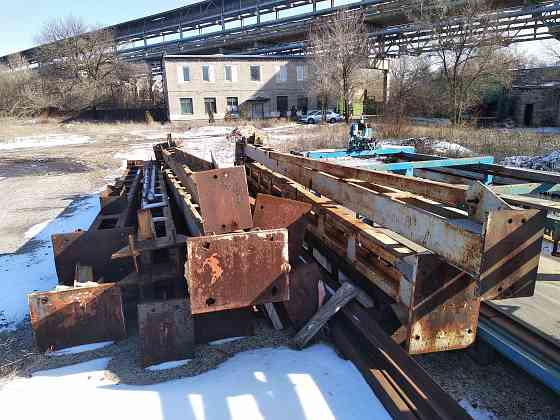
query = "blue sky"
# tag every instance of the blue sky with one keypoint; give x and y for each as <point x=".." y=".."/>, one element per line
<point x="21" y="20"/>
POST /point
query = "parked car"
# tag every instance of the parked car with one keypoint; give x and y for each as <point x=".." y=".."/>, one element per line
<point x="315" y="116"/>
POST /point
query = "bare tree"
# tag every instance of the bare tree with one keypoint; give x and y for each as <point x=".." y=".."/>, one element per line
<point x="79" y="63"/>
<point x="19" y="88"/>
<point x="467" y="48"/>
<point x="411" y="80"/>
<point x="338" y="47"/>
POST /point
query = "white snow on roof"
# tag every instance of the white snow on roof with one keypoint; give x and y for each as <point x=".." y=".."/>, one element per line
<point x="273" y="384"/>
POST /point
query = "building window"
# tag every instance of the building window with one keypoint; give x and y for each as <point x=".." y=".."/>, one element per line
<point x="232" y="104"/>
<point x="282" y="73"/>
<point x="322" y="102"/>
<point x="228" y="73"/>
<point x="302" y="104"/>
<point x="255" y="73"/>
<point x="206" y="73"/>
<point x="300" y="69"/>
<point x="186" y="106"/>
<point x="186" y="74"/>
<point x="210" y="105"/>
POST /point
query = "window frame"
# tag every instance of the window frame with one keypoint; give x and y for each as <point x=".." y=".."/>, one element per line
<point x="213" y="100"/>
<point x="188" y="69"/>
<point x="207" y="68"/>
<point x="258" y="67"/>
<point x="181" y="105"/>
<point x="300" y="70"/>
<point x="226" y="68"/>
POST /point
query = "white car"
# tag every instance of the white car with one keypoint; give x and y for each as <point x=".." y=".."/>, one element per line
<point x="314" y="117"/>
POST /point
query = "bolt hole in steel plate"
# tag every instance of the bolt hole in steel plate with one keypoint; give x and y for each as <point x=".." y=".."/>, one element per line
<point x="224" y="205"/>
<point x="237" y="270"/>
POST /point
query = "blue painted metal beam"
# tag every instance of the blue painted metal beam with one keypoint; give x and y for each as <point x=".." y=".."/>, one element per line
<point x="427" y="164"/>
<point x="543" y="370"/>
<point x="342" y="153"/>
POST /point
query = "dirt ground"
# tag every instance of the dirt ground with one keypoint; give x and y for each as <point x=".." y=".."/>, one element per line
<point x="38" y="183"/>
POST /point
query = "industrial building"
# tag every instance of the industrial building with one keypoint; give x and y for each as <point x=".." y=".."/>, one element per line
<point x="252" y="87"/>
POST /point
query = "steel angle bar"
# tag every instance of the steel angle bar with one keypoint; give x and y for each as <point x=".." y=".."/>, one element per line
<point x="237" y="270"/>
<point x="439" y="302"/>
<point x="76" y="316"/>
<point x="339" y="153"/>
<point x="427" y="164"/>
<point x="498" y="244"/>
<point x="221" y="194"/>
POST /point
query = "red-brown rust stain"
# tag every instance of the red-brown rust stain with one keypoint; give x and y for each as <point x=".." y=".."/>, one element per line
<point x="213" y="263"/>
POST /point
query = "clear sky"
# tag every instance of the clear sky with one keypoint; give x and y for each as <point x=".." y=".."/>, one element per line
<point x="21" y="20"/>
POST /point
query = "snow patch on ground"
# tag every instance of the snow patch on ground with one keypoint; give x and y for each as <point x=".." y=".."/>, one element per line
<point x="168" y="365"/>
<point x="47" y="140"/>
<point x="35" y="229"/>
<point x="80" y="349"/>
<point x="445" y="147"/>
<point x="31" y="268"/>
<point x="205" y="142"/>
<point x="261" y="384"/>
<point x="477" y="413"/>
<point x="224" y="341"/>
<point x="550" y="162"/>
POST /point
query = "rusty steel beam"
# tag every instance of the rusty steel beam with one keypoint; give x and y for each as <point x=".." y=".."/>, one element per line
<point x="76" y="316"/>
<point x="439" y="303"/>
<point x="220" y="194"/>
<point x="166" y="331"/>
<point x="452" y="234"/>
<point x="237" y="270"/>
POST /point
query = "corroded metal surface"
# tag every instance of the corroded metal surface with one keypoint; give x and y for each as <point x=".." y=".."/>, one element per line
<point x="166" y="331"/>
<point x="444" y="308"/>
<point x="275" y="212"/>
<point x="512" y="248"/>
<point x="223" y="198"/>
<point x="76" y="316"/>
<point x="237" y="270"/>
<point x="223" y="324"/>
<point x="93" y="248"/>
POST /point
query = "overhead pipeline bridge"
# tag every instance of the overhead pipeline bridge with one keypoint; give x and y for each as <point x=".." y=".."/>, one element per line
<point x="280" y="27"/>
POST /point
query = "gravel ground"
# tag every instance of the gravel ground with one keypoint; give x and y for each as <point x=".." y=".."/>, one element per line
<point x="40" y="183"/>
<point x="500" y="387"/>
<point x="17" y="358"/>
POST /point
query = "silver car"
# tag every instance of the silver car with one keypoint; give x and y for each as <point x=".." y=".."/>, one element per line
<point x="314" y="117"/>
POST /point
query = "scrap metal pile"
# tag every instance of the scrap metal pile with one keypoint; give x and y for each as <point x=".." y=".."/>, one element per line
<point x="390" y="264"/>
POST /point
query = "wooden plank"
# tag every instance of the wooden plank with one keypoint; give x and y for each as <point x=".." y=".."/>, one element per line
<point x="342" y="296"/>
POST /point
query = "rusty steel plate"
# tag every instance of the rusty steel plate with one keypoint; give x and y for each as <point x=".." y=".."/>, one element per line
<point x="443" y="314"/>
<point x="304" y="300"/>
<point x="224" y="324"/>
<point x="93" y="248"/>
<point x="166" y="331"/>
<point x="223" y="198"/>
<point x="77" y="316"/>
<point x="512" y="248"/>
<point x="237" y="270"/>
<point x="275" y="212"/>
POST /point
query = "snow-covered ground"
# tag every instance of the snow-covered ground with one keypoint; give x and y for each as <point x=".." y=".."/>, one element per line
<point x="32" y="267"/>
<point x="261" y="384"/>
<point x="47" y="140"/>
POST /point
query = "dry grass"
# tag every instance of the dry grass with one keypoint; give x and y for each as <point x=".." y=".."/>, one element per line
<point x="323" y="136"/>
<point x="499" y="143"/>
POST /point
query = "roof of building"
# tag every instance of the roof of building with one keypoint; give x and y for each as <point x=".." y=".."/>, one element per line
<point x="232" y="57"/>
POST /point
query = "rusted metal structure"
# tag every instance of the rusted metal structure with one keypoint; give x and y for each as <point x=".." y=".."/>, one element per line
<point x="442" y="250"/>
<point x="76" y="316"/>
